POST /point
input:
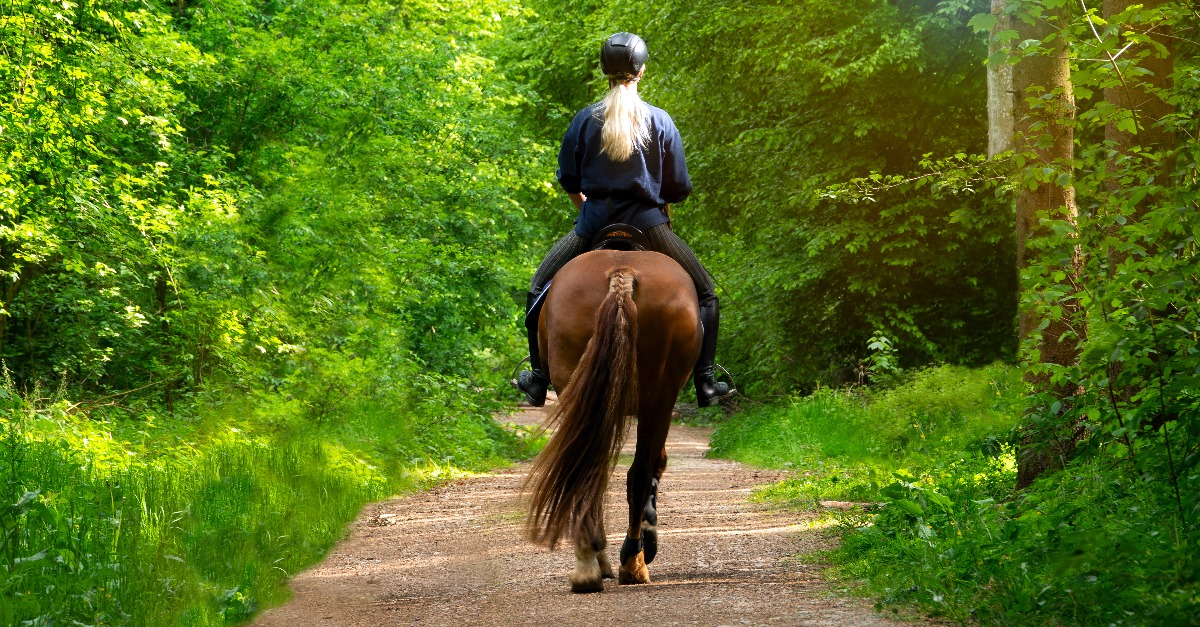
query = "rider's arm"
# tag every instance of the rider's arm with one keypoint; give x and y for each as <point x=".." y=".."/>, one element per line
<point x="578" y="200"/>
<point x="676" y="184"/>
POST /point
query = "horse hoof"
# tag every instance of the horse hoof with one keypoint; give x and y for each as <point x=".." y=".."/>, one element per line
<point x="584" y="587"/>
<point x="633" y="571"/>
<point x="649" y="540"/>
<point x="588" y="575"/>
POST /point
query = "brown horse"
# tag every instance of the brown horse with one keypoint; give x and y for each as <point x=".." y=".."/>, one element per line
<point x="619" y="333"/>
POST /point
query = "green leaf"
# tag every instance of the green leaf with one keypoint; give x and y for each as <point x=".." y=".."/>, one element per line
<point x="908" y="506"/>
<point x="983" y="22"/>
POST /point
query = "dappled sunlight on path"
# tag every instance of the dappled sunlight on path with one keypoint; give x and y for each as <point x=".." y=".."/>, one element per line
<point x="455" y="556"/>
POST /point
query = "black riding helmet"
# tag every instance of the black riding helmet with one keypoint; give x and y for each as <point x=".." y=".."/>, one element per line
<point x="623" y="55"/>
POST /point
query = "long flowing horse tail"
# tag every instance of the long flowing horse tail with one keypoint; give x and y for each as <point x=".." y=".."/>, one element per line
<point x="568" y="479"/>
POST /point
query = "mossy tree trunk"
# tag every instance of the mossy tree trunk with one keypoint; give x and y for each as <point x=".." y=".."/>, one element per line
<point x="1044" y="122"/>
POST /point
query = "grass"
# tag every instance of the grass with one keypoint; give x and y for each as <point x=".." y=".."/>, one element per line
<point x="849" y="445"/>
<point x="947" y="535"/>
<point x="141" y="520"/>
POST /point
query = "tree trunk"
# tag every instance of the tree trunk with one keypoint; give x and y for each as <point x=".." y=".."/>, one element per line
<point x="160" y="289"/>
<point x="1000" y="86"/>
<point x="1138" y="94"/>
<point x="9" y="296"/>
<point x="1044" y="112"/>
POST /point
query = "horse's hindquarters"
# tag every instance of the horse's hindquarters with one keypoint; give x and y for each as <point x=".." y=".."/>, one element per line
<point x="620" y="333"/>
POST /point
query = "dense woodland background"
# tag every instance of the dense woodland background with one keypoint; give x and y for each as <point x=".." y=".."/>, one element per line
<point x="264" y="261"/>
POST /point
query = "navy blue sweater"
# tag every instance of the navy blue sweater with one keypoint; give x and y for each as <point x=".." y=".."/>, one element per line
<point x="632" y="191"/>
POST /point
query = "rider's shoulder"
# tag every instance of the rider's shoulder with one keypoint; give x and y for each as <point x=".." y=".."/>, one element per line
<point x="594" y="110"/>
<point x="595" y="113"/>
<point x="660" y="117"/>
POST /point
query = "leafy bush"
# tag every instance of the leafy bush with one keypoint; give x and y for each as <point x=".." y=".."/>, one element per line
<point x="1080" y="547"/>
<point x="939" y="526"/>
<point x="937" y="410"/>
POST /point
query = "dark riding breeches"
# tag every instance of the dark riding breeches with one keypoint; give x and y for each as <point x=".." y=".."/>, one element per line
<point x="662" y="239"/>
<point x="569" y="247"/>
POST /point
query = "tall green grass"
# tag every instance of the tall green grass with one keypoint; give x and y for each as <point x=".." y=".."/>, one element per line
<point x="138" y="520"/>
<point x="943" y="529"/>
<point x="849" y="445"/>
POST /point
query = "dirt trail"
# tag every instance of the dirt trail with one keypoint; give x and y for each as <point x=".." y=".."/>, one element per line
<point x="455" y="556"/>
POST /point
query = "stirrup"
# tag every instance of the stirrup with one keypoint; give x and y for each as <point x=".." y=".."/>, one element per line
<point x="516" y="372"/>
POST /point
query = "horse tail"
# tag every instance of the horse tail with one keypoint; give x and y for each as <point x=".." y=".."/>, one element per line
<point x="569" y="478"/>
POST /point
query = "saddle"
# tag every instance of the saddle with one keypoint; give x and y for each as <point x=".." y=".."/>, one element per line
<point x="619" y="237"/>
<point x="612" y="237"/>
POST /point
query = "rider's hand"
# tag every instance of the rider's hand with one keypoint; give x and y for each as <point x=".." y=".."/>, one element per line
<point x="578" y="199"/>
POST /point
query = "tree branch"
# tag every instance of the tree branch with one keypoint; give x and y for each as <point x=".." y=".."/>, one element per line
<point x="1137" y="127"/>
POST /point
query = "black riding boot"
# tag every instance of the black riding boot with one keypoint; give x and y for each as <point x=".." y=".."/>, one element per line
<point x="709" y="391"/>
<point x="533" y="382"/>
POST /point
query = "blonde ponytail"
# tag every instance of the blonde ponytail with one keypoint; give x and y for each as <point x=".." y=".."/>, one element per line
<point x="626" y="126"/>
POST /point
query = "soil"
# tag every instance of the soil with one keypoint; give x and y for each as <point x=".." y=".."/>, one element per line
<point x="455" y="556"/>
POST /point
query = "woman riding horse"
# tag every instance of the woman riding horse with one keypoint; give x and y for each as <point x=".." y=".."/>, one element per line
<point x="622" y="161"/>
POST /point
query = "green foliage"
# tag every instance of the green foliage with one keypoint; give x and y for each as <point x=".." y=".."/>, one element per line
<point x="846" y="446"/>
<point x="939" y="525"/>
<point x="882" y="364"/>
<point x="1122" y="275"/>
<point x="1083" y="546"/>
<point x="269" y="254"/>
<point x="777" y="101"/>
<point x="1111" y="539"/>
<point x="391" y="224"/>
<point x="100" y="193"/>
<point x="218" y="190"/>
<point x="153" y="521"/>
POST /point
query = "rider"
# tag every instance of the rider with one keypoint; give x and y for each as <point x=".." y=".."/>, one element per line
<point x="622" y="161"/>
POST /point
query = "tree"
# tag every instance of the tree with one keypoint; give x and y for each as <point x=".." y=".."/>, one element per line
<point x="1087" y="271"/>
<point x="1000" y="80"/>
<point x="97" y="189"/>
<point x="1044" y="119"/>
<point x="1135" y="94"/>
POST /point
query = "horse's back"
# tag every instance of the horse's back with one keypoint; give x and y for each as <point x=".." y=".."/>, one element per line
<point x="667" y="314"/>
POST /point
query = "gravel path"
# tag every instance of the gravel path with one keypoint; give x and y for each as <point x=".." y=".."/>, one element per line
<point x="455" y="556"/>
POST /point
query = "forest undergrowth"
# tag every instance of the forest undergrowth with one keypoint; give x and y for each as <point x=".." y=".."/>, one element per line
<point x="199" y="519"/>
<point x="930" y="464"/>
<point x="256" y="264"/>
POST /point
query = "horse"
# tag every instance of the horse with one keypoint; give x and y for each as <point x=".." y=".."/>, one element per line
<point x="619" y="332"/>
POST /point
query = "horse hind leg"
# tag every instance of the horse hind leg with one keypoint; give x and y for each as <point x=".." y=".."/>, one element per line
<point x="640" y="484"/>
<point x="650" y="512"/>
<point x="587" y="576"/>
<point x="606" y="569"/>
<point x="590" y="560"/>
